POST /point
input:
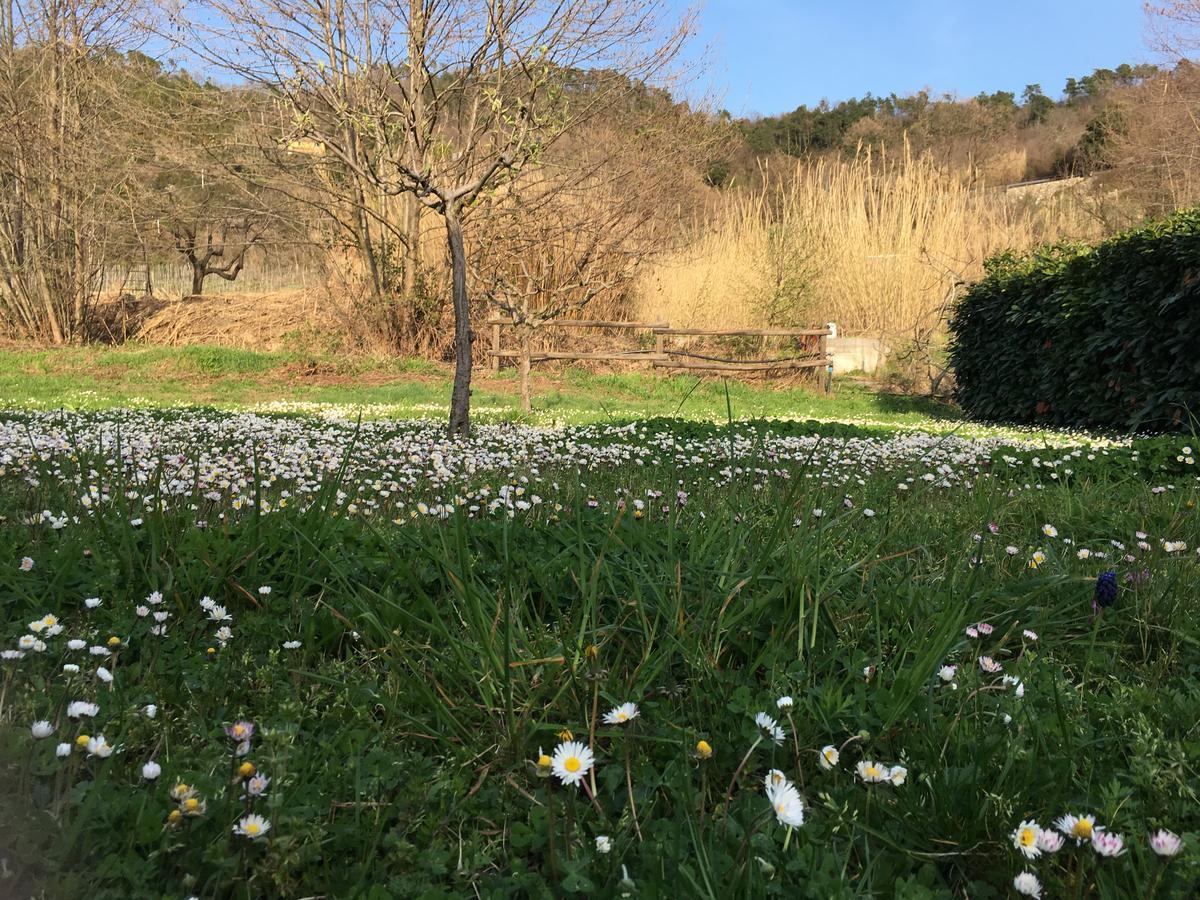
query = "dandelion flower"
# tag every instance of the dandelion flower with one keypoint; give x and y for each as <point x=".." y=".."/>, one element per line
<point x="246" y="769"/>
<point x="871" y="772"/>
<point x="252" y="826"/>
<point x="1078" y="827"/>
<point x="41" y="729"/>
<point x="619" y="715"/>
<point x="1025" y="838"/>
<point x="571" y="761"/>
<point x="1027" y="883"/>
<point x="704" y="750"/>
<point x="82" y="741"/>
<point x="1107" y="844"/>
<point x="1165" y="843"/>
<point x="829" y="757"/>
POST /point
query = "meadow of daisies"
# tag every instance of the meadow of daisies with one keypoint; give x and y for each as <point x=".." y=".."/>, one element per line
<point x="251" y="655"/>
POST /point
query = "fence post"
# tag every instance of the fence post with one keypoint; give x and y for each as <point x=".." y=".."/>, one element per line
<point x="495" y="348"/>
<point x="826" y="377"/>
<point x="660" y="343"/>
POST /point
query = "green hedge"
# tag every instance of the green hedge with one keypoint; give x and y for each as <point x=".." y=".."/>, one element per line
<point x="1104" y="337"/>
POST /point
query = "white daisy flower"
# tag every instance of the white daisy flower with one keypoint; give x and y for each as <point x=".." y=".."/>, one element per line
<point x="1078" y="827"/>
<point x="603" y="843"/>
<point x="769" y="727"/>
<point x="871" y="772"/>
<point x="41" y="729"/>
<point x="619" y="715"/>
<point x="571" y="761"/>
<point x="1025" y="838"/>
<point x="252" y="826"/>
<point x="829" y="757"/>
<point x="1027" y="884"/>
<point x="785" y="801"/>
<point x="151" y="770"/>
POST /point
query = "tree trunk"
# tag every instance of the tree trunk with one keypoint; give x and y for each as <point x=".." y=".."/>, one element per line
<point x="197" y="280"/>
<point x="412" y="252"/>
<point x="526" y="393"/>
<point x="460" y="396"/>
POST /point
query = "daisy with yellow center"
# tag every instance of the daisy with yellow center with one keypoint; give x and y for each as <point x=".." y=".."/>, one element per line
<point x="829" y="757"/>
<point x="1078" y="827"/>
<point x="1025" y="838"/>
<point x="871" y="772"/>
<point x="252" y="826"/>
<point x="572" y="761"/>
<point x="619" y="715"/>
<point x="192" y="806"/>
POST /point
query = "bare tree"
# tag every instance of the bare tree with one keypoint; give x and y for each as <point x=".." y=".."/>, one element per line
<point x="61" y="173"/>
<point x="1174" y="26"/>
<point x="440" y="101"/>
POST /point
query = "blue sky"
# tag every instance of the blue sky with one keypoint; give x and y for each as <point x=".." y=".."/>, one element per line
<point x="769" y="56"/>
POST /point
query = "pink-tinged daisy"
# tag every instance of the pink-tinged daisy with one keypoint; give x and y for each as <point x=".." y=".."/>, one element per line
<point x="240" y="731"/>
<point x="1027" y="884"/>
<point x="1166" y="843"/>
<point x="989" y="665"/>
<point x="1107" y="844"/>
<point x="1050" y="841"/>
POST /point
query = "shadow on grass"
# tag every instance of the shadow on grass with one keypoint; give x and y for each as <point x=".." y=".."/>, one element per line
<point x="925" y="406"/>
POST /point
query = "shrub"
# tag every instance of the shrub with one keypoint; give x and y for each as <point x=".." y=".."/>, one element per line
<point x="1101" y="337"/>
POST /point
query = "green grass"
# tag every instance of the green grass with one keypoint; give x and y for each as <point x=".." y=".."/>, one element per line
<point x="438" y="655"/>
<point x="100" y="378"/>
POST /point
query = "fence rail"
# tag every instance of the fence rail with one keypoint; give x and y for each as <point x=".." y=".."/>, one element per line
<point x="815" y="353"/>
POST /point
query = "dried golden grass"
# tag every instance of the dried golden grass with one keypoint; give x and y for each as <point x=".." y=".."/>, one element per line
<point x="874" y="244"/>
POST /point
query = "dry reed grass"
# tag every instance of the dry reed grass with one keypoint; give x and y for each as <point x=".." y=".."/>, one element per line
<point x="875" y="244"/>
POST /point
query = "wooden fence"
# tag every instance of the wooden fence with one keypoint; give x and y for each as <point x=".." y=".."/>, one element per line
<point x="814" y="352"/>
